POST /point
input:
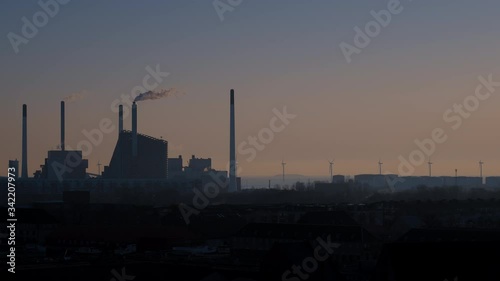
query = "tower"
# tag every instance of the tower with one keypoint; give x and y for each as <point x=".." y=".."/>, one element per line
<point x="134" y="130"/>
<point x="24" y="168"/>
<point x="63" y="125"/>
<point x="232" y="146"/>
<point x="120" y="119"/>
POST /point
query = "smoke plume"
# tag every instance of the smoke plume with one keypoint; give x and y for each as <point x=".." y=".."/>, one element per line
<point x="154" y="95"/>
<point x="74" y="97"/>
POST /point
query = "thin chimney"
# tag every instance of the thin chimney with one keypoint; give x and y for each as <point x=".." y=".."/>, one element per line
<point x="120" y="119"/>
<point x="134" y="129"/>
<point x="232" y="151"/>
<point x="24" y="169"/>
<point x="62" y="126"/>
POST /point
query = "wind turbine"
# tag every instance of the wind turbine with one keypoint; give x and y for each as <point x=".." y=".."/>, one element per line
<point x="331" y="170"/>
<point x="481" y="169"/>
<point x="379" y="167"/>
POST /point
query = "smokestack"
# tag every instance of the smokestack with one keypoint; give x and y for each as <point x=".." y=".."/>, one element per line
<point x="232" y="151"/>
<point x="134" y="129"/>
<point x="24" y="169"/>
<point x="120" y="119"/>
<point x="62" y="126"/>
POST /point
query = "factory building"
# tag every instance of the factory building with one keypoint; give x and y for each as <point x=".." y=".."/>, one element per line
<point x="149" y="163"/>
<point x="64" y="165"/>
<point x="215" y="178"/>
<point x="137" y="156"/>
<point x="174" y="166"/>
<point x="195" y="169"/>
<point x="60" y="164"/>
<point x="199" y="164"/>
<point x="198" y="170"/>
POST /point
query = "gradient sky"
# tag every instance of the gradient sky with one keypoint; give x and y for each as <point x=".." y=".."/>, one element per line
<point x="274" y="54"/>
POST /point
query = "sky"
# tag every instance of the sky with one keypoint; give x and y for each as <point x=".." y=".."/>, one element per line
<point x="275" y="54"/>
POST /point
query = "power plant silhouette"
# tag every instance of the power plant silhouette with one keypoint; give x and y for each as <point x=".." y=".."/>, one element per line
<point x="128" y="163"/>
<point x="141" y="157"/>
<point x="135" y="157"/>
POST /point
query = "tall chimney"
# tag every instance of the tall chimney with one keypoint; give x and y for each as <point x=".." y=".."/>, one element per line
<point x="24" y="169"/>
<point x="232" y="151"/>
<point x="62" y="126"/>
<point x="120" y="119"/>
<point x="134" y="129"/>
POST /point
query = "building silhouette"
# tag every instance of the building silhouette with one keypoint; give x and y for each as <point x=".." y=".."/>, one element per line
<point x="151" y="161"/>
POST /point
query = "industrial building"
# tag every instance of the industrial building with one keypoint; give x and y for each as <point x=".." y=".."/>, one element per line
<point x="200" y="164"/>
<point x="60" y="164"/>
<point x="174" y="166"/>
<point x="198" y="169"/>
<point x="195" y="169"/>
<point x="149" y="163"/>
<point x="64" y="165"/>
<point x="137" y="156"/>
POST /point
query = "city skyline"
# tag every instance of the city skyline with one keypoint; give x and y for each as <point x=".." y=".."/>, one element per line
<point x="88" y="136"/>
<point x="250" y="140"/>
<point x="393" y="92"/>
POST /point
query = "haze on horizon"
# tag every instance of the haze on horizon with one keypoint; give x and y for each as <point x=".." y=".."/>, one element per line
<point x="274" y="54"/>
